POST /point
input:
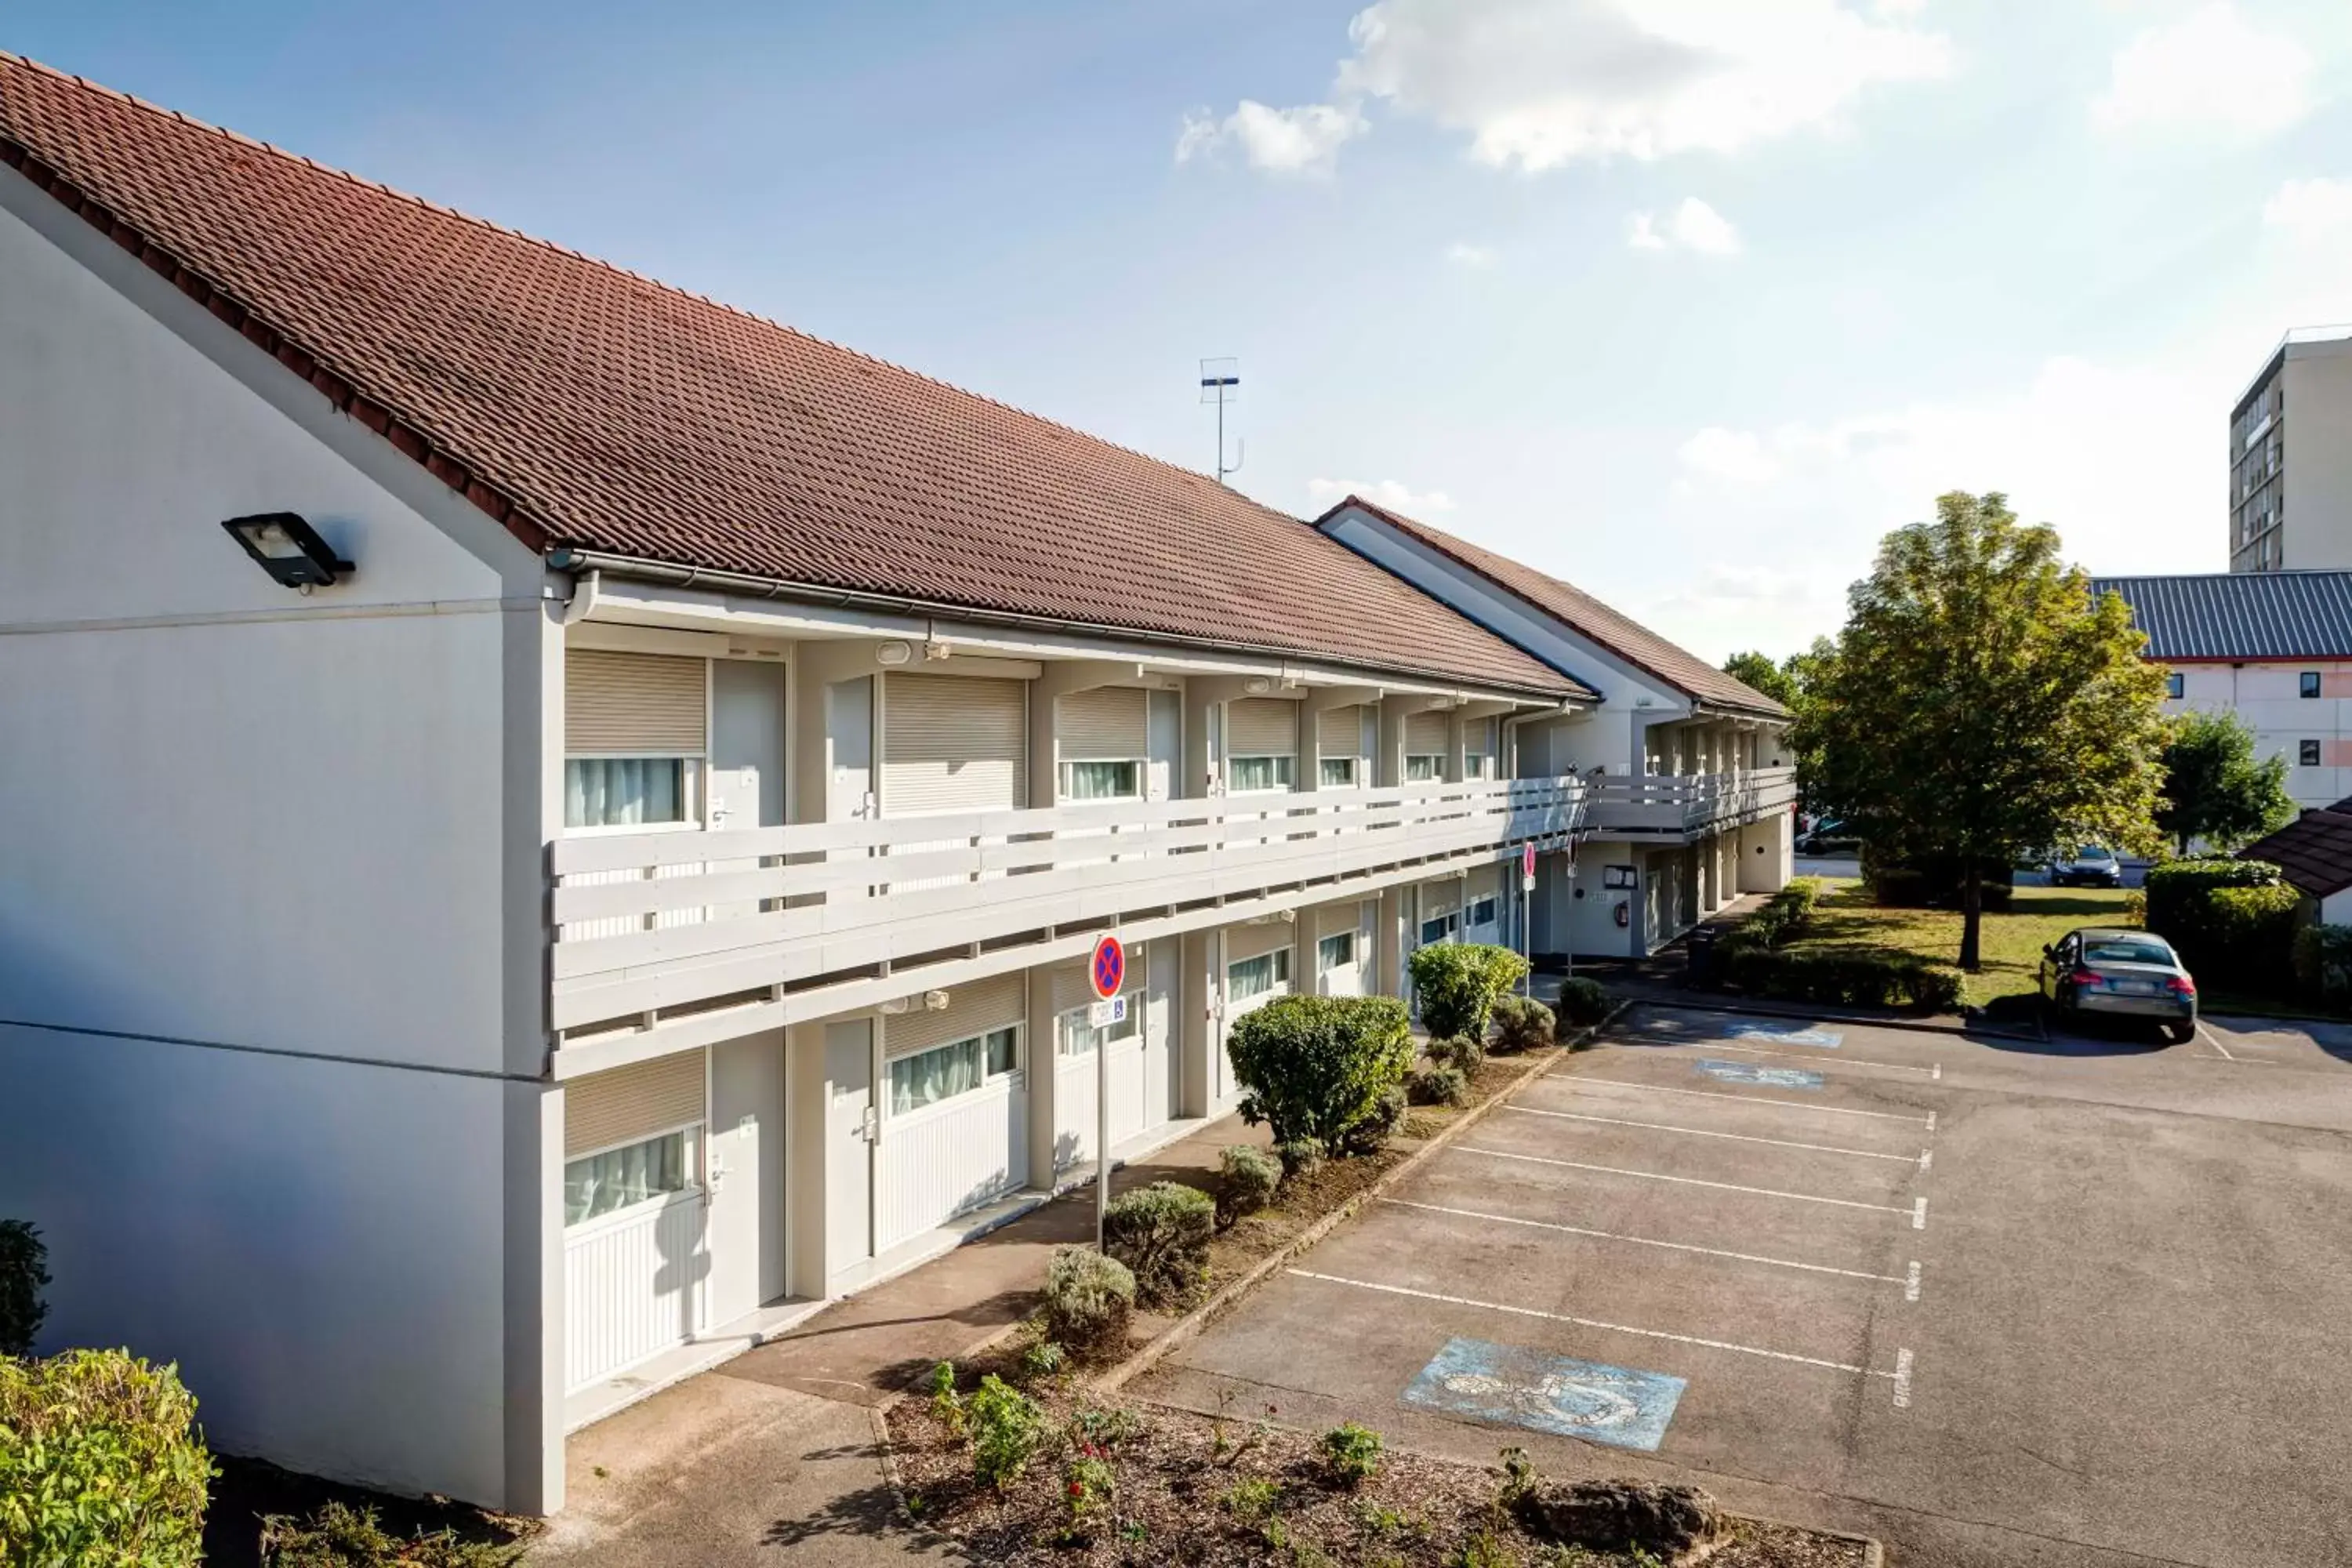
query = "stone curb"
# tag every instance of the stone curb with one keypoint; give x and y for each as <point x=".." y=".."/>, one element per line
<point x="1190" y="1327"/>
<point x="925" y="1535"/>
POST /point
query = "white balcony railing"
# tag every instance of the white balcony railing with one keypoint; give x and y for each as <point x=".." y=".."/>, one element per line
<point x="648" y="921"/>
<point x="1684" y="804"/>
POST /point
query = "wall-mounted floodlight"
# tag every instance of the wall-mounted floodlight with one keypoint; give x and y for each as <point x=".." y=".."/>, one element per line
<point x="289" y="549"/>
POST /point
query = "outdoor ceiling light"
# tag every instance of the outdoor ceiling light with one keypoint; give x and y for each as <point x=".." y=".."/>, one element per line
<point x="893" y="654"/>
<point x="289" y="549"/>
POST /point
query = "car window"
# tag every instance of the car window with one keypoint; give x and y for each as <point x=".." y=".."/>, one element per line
<point x="2127" y="950"/>
<point x="2091" y="852"/>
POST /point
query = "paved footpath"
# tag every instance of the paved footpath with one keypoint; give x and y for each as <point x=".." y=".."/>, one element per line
<point x="1998" y="1302"/>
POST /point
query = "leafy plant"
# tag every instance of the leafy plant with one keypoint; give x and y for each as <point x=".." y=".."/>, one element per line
<point x="1350" y="1453"/>
<point x="22" y="1276"/>
<point x="1253" y="1500"/>
<point x="101" y="1462"/>
<point x="1582" y="1004"/>
<point x="1522" y="1023"/>
<point x="1519" y="1477"/>
<point x="1317" y="1066"/>
<point x="1459" y="1052"/>
<point x="1371" y="1135"/>
<point x="1486" y="1550"/>
<point x="339" y="1536"/>
<point x="1250" y="1178"/>
<point x="1007" y="1426"/>
<point x="2215" y="787"/>
<point x="2230" y="920"/>
<point x="1457" y="984"/>
<point x="1043" y="1359"/>
<point x="946" y="1403"/>
<point x="1088" y="1485"/>
<point x="1162" y="1232"/>
<point x="1088" y="1299"/>
<point x="2323" y="962"/>
<point x="1439" y="1086"/>
<point x="1105" y="1430"/>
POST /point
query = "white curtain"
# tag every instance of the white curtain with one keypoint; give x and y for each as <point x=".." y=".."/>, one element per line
<point x="623" y="792"/>
<point x="600" y="1183"/>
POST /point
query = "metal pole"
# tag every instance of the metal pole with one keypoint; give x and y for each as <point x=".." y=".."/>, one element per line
<point x="1102" y="1136"/>
<point x="1221" y="435"/>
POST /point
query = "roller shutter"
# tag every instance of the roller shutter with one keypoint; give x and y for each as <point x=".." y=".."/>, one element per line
<point x="954" y="742"/>
<point x="1425" y="734"/>
<point x="633" y="704"/>
<point x="1261" y="727"/>
<point x="1340" y="731"/>
<point x="972" y="1009"/>
<point x="1105" y="725"/>
<point x="607" y="1109"/>
<point x="1070" y="988"/>
<point x="1333" y="918"/>
<point x="1248" y="941"/>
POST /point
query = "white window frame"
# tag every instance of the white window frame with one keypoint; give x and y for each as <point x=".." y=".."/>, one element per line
<point x="1285" y="771"/>
<point x="1136" y="770"/>
<point x="1477" y="766"/>
<point x="690" y="793"/>
<point x="1276" y="959"/>
<point x="988" y="1077"/>
<point x="1449" y="926"/>
<point x="1425" y="767"/>
<point x="1323" y="780"/>
<point x="690" y="1161"/>
<point x="1324" y="964"/>
<point x="1483" y="912"/>
<point x="1074" y="1037"/>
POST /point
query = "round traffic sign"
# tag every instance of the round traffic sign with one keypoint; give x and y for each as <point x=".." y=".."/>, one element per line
<point x="1107" y="971"/>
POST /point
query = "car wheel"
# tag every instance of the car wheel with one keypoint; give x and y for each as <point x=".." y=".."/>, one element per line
<point x="2181" y="1033"/>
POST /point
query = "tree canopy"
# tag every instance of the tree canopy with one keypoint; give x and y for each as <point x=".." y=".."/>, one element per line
<point x="1757" y="670"/>
<point x="2215" y="788"/>
<point x="1980" y="704"/>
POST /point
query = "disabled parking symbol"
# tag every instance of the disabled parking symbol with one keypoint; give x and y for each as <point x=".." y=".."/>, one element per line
<point x="1827" y="1038"/>
<point x="1622" y="1406"/>
<point x="1768" y="1078"/>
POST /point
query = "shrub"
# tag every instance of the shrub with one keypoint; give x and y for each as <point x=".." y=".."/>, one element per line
<point x="1088" y="1299"/>
<point x="1088" y="1485"/>
<point x="1372" y="1135"/>
<point x="1522" y="1023"/>
<point x="1007" y="1426"/>
<point x="1161" y="1233"/>
<point x="1299" y="1157"/>
<point x="1457" y="984"/>
<point x="2249" y="935"/>
<point x="1316" y="1066"/>
<point x="947" y="1405"/>
<point x="1350" y="1453"/>
<point x="1439" y="1086"/>
<point x="1582" y="1004"/>
<point x="2323" y="962"/>
<point x="1251" y="1177"/>
<point x="1043" y="1359"/>
<point x="1934" y="882"/>
<point x="2179" y="900"/>
<point x="1861" y="978"/>
<point x="101" y="1462"/>
<point x="339" y="1536"/>
<point x="22" y="1276"/>
<point x="1459" y="1052"/>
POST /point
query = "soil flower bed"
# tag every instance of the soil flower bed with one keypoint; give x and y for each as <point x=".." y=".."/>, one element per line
<point x="1140" y="1484"/>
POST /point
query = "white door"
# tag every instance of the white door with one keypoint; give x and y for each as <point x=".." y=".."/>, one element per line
<point x="747" y="1176"/>
<point x="851" y="1126"/>
<point x="1159" y="1062"/>
<point x="849" y="732"/>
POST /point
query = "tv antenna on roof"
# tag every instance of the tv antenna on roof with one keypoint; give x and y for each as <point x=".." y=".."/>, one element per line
<point x="1220" y="382"/>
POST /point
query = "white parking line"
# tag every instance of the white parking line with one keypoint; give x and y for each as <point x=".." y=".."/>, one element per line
<point x="1935" y="1071"/>
<point x="2213" y="1040"/>
<point x="1910" y="1283"/>
<point x="1918" y="1213"/>
<point x="1702" y="1132"/>
<point x="1902" y="1361"/>
<point x="1928" y="1120"/>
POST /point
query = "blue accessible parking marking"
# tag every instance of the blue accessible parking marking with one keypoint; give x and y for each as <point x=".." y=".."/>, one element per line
<point x="1770" y="1077"/>
<point x="1614" y="1404"/>
<point x="1830" y="1038"/>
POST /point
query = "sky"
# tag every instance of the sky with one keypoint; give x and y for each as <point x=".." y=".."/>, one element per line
<point x="1687" y="301"/>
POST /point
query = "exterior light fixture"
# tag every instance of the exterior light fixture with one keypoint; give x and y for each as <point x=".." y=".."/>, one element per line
<point x="893" y="653"/>
<point x="289" y="549"/>
<point x="1257" y="685"/>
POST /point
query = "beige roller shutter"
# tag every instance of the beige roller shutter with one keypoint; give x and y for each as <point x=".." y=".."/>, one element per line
<point x="633" y="704"/>
<point x="1332" y="918"/>
<point x="953" y="742"/>
<point x="1070" y="987"/>
<point x="1437" y="897"/>
<point x="1105" y="725"/>
<point x="607" y="1109"/>
<point x="1340" y="731"/>
<point x="1425" y="734"/>
<point x="1248" y="941"/>
<point x="1261" y="727"/>
<point x="972" y="1009"/>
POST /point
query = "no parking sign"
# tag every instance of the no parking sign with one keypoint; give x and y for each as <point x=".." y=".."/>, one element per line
<point x="1106" y="971"/>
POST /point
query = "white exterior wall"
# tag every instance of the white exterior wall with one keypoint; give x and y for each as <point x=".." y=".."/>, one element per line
<point x="271" y="892"/>
<point x="2265" y="696"/>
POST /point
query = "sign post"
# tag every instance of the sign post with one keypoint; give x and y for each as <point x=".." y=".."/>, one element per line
<point x="1527" y="915"/>
<point x="1107" y="974"/>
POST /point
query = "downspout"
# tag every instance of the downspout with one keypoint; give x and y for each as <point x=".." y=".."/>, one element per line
<point x="582" y="602"/>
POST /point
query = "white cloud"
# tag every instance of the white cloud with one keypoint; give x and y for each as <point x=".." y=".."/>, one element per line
<point x="1538" y="83"/>
<point x="1693" y="225"/>
<point x="1390" y="493"/>
<point x="1303" y="140"/>
<point x="1462" y="253"/>
<point x="2209" y="71"/>
<point x="2310" y="210"/>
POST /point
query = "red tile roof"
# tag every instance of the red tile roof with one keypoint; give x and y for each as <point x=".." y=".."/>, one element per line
<point x="586" y="406"/>
<point x="1584" y="614"/>
<point x="2314" y="851"/>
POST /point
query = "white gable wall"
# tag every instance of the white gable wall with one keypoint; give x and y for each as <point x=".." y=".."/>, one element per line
<point x="2266" y="695"/>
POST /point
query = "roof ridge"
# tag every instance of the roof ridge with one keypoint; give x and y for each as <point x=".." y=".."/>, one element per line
<point x="560" y="248"/>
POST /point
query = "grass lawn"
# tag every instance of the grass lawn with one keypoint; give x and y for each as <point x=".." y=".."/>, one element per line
<point x="2011" y="942"/>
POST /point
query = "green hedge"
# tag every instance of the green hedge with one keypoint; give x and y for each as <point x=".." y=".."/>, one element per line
<point x="1457" y="984"/>
<point x="2232" y="921"/>
<point x="1317" y="1067"/>
<point x="1853" y="979"/>
<point x="101" y="1463"/>
<point x="2323" y="963"/>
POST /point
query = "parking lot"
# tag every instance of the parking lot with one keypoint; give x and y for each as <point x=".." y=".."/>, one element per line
<point x="2078" y="1304"/>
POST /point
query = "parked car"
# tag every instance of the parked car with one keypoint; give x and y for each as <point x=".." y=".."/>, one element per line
<point x="2120" y="973"/>
<point x="1828" y="836"/>
<point x="2090" y="865"/>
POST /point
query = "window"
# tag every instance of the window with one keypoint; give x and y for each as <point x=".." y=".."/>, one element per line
<point x="1080" y="1037"/>
<point x="1423" y="765"/>
<point x="1102" y="781"/>
<point x="1477" y="766"/>
<point x="1247" y="775"/>
<point x="1338" y="772"/>
<point x="2308" y="753"/>
<point x="1482" y="913"/>
<point x="1441" y="928"/>
<point x="598" y="1184"/>
<point x="927" y="1077"/>
<point x="627" y="791"/>
<point x="1335" y="951"/>
<point x="2307" y="684"/>
<point x="1257" y="976"/>
<point x="2175" y="684"/>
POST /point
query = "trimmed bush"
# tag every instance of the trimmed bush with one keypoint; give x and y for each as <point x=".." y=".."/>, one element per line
<point x="1317" y="1066"/>
<point x="1007" y="1427"/>
<point x="1251" y="1177"/>
<point x="1299" y="1157"/>
<point x="101" y="1462"/>
<point x="2249" y="940"/>
<point x="1372" y="1135"/>
<point x="2323" y="963"/>
<point x="1088" y="1299"/>
<point x="1462" y="1053"/>
<point x="1870" y="979"/>
<point x="1161" y="1233"/>
<point x="22" y="1276"/>
<point x="339" y="1536"/>
<point x="1439" y="1086"/>
<point x="1457" y="984"/>
<point x="2181" y="908"/>
<point x="1582" y="1004"/>
<point x="1350" y="1453"/>
<point x="1522" y="1023"/>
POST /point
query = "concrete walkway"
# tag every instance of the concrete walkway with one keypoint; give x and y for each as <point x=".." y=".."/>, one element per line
<point x="771" y="1457"/>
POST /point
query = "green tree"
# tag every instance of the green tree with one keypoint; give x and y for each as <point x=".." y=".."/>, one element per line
<point x="2215" y="788"/>
<point x="1758" y="672"/>
<point x="1980" y="704"/>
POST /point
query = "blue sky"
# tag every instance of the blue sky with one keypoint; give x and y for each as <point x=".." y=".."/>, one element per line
<point x="1686" y="300"/>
